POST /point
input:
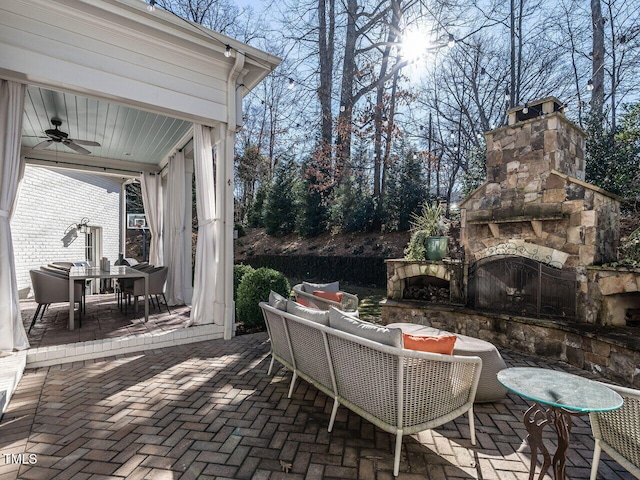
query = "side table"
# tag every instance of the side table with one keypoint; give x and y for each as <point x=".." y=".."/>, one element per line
<point x="556" y="396"/>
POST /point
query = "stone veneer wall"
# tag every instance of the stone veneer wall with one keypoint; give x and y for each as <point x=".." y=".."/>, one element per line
<point x="568" y="215"/>
<point x="612" y="359"/>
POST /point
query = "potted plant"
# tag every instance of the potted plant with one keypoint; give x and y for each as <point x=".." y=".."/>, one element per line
<point x="429" y="231"/>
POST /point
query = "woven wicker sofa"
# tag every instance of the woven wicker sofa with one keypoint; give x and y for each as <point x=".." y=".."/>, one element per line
<point x="305" y="291"/>
<point x="401" y="391"/>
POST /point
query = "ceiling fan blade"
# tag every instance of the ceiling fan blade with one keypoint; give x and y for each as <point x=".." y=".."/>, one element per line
<point x="88" y="143"/>
<point x="77" y="148"/>
<point x="43" y="145"/>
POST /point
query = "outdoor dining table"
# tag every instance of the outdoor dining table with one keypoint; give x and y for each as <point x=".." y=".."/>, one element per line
<point x="565" y="395"/>
<point x="121" y="271"/>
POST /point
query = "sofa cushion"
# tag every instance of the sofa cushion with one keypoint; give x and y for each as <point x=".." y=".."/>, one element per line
<point x="333" y="296"/>
<point x="326" y="287"/>
<point x="277" y="301"/>
<point x="313" y="314"/>
<point x="350" y="324"/>
<point x="427" y="343"/>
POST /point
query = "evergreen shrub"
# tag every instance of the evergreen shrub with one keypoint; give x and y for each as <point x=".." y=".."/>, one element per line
<point x="254" y="288"/>
<point x="239" y="271"/>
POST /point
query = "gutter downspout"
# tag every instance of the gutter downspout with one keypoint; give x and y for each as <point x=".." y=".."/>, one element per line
<point x="224" y="198"/>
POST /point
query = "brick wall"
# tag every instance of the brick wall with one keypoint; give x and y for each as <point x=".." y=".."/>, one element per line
<point x="49" y="201"/>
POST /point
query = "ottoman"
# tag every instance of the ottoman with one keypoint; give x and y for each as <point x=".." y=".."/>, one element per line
<point x="489" y="388"/>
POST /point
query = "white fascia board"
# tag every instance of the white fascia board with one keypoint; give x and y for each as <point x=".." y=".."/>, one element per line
<point x="116" y="50"/>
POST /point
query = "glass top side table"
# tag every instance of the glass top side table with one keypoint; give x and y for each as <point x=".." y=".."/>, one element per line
<point x="565" y="395"/>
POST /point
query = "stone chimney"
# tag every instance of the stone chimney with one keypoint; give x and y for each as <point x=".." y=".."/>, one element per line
<point x="537" y="140"/>
<point x="535" y="196"/>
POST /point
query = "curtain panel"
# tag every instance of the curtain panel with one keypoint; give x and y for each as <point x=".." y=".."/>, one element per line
<point x="207" y="252"/>
<point x="12" y="333"/>
<point x="153" y="208"/>
<point x="175" y="228"/>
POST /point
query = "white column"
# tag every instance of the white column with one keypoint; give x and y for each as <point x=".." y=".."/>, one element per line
<point x="227" y="157"/>
<point x="219" y="140"/>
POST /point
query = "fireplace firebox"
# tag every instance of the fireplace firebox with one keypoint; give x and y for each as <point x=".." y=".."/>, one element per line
<point x="522" y="286"/>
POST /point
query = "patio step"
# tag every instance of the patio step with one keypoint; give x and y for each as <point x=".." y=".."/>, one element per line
<point x="109" y="347"/>
<point x="11" y="368"/>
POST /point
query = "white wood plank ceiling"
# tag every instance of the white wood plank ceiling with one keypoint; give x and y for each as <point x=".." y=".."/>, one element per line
<point x="123" y="133"/>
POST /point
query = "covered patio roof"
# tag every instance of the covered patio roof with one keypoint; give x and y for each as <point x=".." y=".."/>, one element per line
<point x="137" y="83"/>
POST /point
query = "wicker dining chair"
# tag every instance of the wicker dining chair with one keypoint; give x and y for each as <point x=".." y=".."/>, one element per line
<point x="618" y="432"/>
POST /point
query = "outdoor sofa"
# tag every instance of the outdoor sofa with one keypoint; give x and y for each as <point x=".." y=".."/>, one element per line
<point x="365" y="368"/>
<point x="308" y="292"/>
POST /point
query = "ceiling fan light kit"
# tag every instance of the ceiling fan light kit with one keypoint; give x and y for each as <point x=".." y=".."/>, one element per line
<point x="58" y="136"/>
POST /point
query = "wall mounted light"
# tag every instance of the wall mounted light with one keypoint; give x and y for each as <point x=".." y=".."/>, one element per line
<point x="227" y="51"/>
<point x="82" y="226"/>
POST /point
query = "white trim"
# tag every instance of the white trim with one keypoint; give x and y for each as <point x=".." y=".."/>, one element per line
<point x="76" y="352"/>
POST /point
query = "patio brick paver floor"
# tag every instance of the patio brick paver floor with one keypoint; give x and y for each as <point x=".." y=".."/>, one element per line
<point x="102" y="319"/>
<point x="209" y="410"/>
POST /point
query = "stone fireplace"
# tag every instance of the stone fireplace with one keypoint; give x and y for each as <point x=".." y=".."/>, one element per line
<point x="536" y="240"/>
<point x="536" y="209"/>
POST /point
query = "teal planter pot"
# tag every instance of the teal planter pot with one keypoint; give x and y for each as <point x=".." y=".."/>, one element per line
<point x="437" y="247"/>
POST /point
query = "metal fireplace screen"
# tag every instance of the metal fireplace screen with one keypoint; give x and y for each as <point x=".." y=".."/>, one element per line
<point x="522" y="286"/>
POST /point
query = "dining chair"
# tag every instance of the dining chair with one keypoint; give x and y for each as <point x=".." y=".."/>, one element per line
<point x="123" y="283"/>
<point x="51" y="288"/>
<point x="617" y="432"/>
<point x="157" y="277"/>
<point x="64" y="268"/>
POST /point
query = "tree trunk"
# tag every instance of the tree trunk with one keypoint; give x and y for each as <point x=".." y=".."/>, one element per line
<point x="379" y="158"/>
<point x="343" y="134"/>
<point x="597" y="77"/>
<point x="512" y="90"/>
<point x="326" y="31"/>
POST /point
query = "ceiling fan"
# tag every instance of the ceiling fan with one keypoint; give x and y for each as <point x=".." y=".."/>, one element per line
<point x="58" y="136"/>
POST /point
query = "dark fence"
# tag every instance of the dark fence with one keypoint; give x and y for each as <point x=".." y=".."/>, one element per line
<point x="369" y="271"/>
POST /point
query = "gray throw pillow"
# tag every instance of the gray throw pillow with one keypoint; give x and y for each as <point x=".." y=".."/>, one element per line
<point x="277" y="301"/>
<point x="313" y="314"/>
<point x="350" y="324"/>
<point x="325" y="287"/>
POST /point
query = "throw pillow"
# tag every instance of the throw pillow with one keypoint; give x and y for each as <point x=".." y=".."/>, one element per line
<point x="425" y="343"/>
<point x="307" y="303"/>
<point x="333" y="296"/>
<point x="326" y="287"/>
<point x="318" y="316"/>
<point x="350" y="324"/>
<point x="277" y="301"/>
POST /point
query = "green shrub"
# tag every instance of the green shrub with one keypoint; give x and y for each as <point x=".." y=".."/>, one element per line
<point x="630" y="250"/>
<point x="254" y="288"/>
<point x="417" y="248"/>
<point x="239" y="271"/>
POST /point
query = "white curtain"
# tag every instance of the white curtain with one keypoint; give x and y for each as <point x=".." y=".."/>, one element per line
<point x="202" y="309"/>
<point x="12" y="333"/>
<point x="152" y="202"/>
<point x="175" y="229"/>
